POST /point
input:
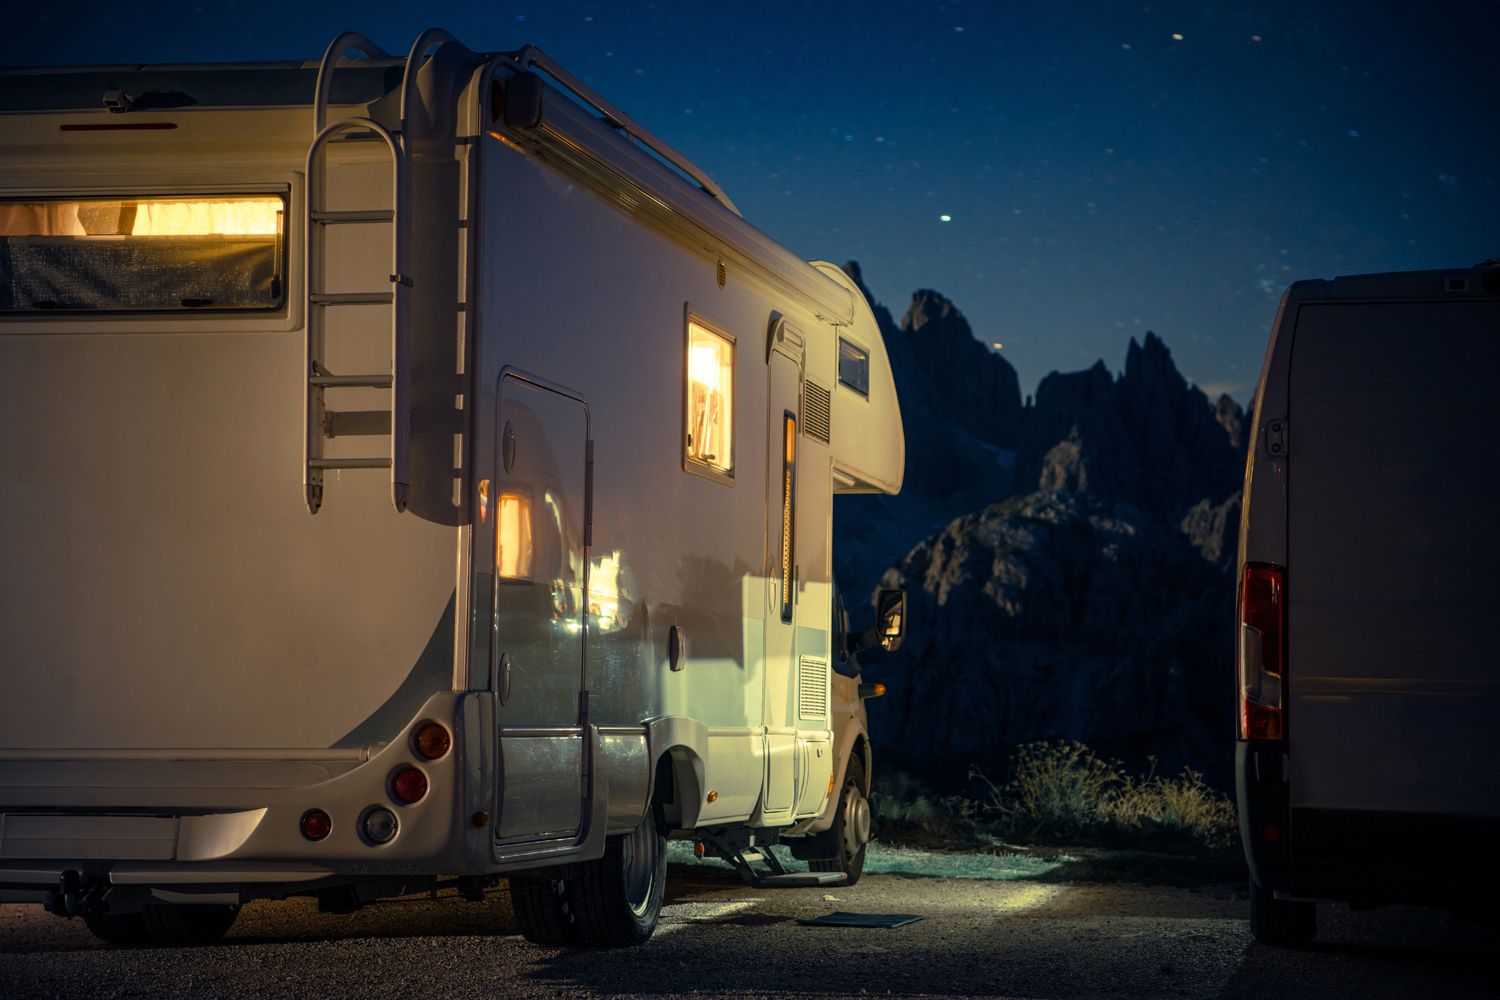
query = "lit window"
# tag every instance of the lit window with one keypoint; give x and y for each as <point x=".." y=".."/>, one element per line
<point x="854" y="366"/>
<point x="513" y="536"/>
<point x="143" y="254"/>
<point x="710" y="400"/>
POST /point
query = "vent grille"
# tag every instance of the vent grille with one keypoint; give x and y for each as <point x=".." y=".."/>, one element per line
<point x="815" y="403"/>
<point x="812" y="688"/>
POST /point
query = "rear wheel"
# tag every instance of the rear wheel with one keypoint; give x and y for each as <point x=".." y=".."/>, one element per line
<point x="184" y="924"/>
<point x="118" y="928"/>
<point x="1281" y="922"/>
<point x="543" y="910"/>
<point x="618" y="897"/>
<point x="851" y="827"/>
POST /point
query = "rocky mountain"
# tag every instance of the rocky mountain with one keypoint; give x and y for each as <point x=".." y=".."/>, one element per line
<point x="961" y="405"/>
<point x="1068" y="561"/>
<point x="1147" y="437"/>
<point x="1058" y="615"/>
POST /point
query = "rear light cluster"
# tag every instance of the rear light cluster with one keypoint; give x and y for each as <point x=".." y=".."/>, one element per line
<point x="407" y="785"/>
<point x="1262" y="653"/>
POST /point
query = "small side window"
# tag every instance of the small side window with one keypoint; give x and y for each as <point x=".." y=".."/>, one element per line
<point x="854" y="367"/>
<point x="710" y="401"/>
<point x="513" y="547"/>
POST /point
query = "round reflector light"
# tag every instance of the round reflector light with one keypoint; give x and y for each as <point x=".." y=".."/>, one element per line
<point x="432" y="740"/>
<point x="316" y="824"/>
<point x="409" y="785"/>
<point x="380" y="825"/>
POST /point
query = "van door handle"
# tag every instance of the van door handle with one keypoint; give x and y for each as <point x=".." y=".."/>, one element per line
<point x="502" y="687"/>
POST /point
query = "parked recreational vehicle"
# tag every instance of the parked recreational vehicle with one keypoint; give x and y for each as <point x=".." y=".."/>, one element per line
<point x="416" y="473"/>
<point x="1369" y="684"/>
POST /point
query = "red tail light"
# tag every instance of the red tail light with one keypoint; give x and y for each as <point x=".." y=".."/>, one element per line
<point x="316" y="824"/>
<point x="408" y="785"/>
<point x="1262" y="653"/>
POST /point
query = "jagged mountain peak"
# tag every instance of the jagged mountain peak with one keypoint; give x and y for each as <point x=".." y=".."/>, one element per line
<point x="930" y="307"/>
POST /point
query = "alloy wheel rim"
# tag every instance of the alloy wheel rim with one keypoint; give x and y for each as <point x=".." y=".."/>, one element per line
<point x="640" y="867"/>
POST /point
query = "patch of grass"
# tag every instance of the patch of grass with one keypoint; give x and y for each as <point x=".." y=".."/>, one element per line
<point x="1063" y="792"/>
<point x="905" y="814"/>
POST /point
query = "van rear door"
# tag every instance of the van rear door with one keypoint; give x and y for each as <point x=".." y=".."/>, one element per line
<point x="1393" y="563"/>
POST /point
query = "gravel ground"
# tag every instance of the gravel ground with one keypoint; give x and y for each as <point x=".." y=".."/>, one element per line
<point x="1045" y="936"/>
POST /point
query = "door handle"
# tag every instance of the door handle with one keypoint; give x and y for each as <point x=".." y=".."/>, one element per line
<point x="502" y="686"/>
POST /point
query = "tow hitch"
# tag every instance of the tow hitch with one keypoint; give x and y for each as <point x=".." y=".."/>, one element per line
<point x="75" y="896"/>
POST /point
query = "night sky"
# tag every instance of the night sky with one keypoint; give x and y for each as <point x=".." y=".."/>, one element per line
<point x="1070" y="176"/>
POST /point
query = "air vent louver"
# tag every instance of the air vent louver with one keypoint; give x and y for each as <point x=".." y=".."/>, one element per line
<point x="815" y="406"/>
<point x="812" y="688"/>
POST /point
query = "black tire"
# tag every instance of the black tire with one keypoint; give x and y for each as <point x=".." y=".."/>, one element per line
<point x="122" y="929"/>
<point x="1281" y="922"/>
<point x="187" y="924"/>
<point x="618" y="898"/>
<point x="543" y="911"/>
<point x="851" y="833"/>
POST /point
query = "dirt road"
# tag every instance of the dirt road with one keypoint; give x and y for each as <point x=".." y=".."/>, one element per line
<point x="1046" y="936"/>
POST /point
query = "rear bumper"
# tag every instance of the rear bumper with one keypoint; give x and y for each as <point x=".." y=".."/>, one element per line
<point x="209" y="817"/>
<point x="1357" y="856"/>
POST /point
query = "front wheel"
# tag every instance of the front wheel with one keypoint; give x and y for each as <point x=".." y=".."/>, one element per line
<point x="851" y="827"/>
<point x="618" y="898"/>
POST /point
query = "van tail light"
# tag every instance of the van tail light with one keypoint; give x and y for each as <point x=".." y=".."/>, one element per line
<point x="1262" y="653"/>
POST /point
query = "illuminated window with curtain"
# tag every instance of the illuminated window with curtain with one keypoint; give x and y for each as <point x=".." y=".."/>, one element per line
<point x="710" y="401"/>
<point x="160" y="254"/>
<point x="513" y="547"/>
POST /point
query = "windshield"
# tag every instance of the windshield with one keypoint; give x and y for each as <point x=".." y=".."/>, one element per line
<point x="142" y="254"/>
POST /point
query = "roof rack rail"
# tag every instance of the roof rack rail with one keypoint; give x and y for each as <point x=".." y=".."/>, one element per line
<point x="531" y="56"/>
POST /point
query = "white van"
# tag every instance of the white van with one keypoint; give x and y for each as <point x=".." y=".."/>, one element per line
<point x="415" y="472"/>
<point x="1369" y="683"/>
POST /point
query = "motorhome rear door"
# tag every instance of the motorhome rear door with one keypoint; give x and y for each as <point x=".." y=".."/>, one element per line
<point x="538" y="503"/>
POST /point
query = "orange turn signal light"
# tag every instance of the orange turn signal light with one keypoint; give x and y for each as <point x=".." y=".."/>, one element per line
<point x="432" y="740"/>
<point x="871" y="690"/>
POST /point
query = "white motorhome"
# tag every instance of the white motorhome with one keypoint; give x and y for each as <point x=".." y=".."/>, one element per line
<point x="416" y="473"/>
<point x="1368" y="680"/>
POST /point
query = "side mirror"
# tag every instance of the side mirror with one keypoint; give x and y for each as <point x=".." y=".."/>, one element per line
<point x="890" y="618"/>
<point x="890" y="624"/>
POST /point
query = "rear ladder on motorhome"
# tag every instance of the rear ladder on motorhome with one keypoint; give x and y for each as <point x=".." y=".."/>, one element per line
<point x="320" y="422"/>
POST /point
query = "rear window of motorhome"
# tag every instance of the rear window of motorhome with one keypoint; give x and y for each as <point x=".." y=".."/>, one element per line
<point x="854" y="367"/>
<point x="158" y="254"/>
<point x="710" y="400"/>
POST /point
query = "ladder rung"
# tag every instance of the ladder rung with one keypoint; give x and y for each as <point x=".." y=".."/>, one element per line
<point x="350" y="298"/>
<point x="350" y="463"/>
<point x="370" y="215"/>
<point x="376" y="381"/>
<point x="355" y="423"/>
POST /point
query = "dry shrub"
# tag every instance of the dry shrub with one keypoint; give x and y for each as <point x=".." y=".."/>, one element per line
<point x="1063" y="792"/>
